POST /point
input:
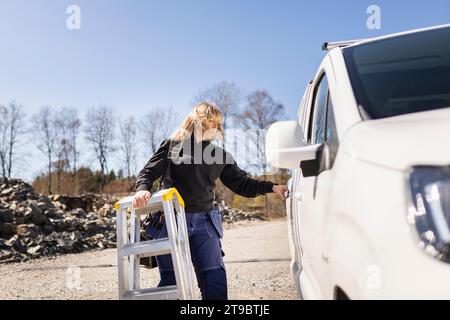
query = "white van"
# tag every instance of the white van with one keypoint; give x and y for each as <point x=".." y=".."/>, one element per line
<point x="369" y="205"/>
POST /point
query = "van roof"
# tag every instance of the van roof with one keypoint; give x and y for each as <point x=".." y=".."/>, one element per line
<point x="347" y="43"/>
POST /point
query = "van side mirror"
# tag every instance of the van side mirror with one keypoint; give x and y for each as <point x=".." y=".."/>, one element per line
<point x="312" y="168"/>
<point x="286" y="147"/>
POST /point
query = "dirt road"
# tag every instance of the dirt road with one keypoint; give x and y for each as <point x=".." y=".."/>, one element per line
<point x="256" y="258"/>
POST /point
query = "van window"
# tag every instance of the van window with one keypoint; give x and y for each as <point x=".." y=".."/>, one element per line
<point x="331" y="136"/>
<point x="303" y="111"/>
<point x="401" y="75"/>
<point x="317" y="129"/>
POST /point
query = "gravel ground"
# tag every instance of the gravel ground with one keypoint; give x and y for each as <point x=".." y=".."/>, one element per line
<point x="256" y="258"/>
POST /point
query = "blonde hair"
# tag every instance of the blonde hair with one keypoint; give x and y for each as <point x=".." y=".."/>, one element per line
<point x="196" y="121"/>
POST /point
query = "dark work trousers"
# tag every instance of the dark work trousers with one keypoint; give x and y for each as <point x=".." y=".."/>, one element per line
<point x="205" y="231"/>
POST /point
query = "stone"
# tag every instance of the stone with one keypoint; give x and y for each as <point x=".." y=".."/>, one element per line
<point x="48" y="228"/>
<point x="7" y="229"/>
<point x="60" y="206"/>
<point x="4" y="245"/>
<point x="78" y="212"/>
<point x="34" y="250"/>
<point x="27" y="230"/>
<point x="54" y="213"/>
<point x="37" y="216"/>
<point x="17" y="244"/>
<point x="11" y="240"/>
<point x="65" y="244"/>
<point x="6" y="215"/>
<point x="44" y="205"/>
<point x="91" y="227"/>
<point x="6" y="192"/>
<point x="106" y="210"/>
<point x="61" y="225"/>
<point x="6" y="255"/>
<point x="20" y="220"/>
<point x="18" y="196"/>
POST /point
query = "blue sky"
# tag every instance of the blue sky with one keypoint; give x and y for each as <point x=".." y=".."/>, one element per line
<point x="137" y="55"/>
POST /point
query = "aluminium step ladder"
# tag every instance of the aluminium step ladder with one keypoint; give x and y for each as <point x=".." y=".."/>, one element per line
<point x="130" y="248"/>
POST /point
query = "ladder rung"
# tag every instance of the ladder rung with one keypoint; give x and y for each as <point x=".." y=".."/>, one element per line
<point x="156" y="198"/>
<point x="151" y="207"/>
<point x="152" y="247"/>
<point x="148" y="209"/>
<point x="159" y="293"/>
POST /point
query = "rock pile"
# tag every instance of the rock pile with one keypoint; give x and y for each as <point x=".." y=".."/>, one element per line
<point x="33" y="225"/>
<point x="231" y="215"/>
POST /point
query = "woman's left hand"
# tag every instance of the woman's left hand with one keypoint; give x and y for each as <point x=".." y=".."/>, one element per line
<point x="281" y="191"/>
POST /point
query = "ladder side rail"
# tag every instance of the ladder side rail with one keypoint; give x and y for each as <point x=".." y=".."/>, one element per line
<point x="181" y="240"/>
<point x="136" y="231"/>
<point x="188" y="268"/>
<point x="172" y="232"/>
<point x="131" y="238"/>
<point x="122" y="239"/>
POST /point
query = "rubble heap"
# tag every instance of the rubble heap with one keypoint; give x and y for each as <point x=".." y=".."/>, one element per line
<point x="33" y="225"/>
<point x="231" y="215"/>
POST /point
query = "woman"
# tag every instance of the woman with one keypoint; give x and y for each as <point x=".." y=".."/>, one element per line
<point x="193" y="170"/>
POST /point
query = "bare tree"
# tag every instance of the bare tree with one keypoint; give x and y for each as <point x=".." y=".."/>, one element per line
<point x="12" y="130"/>
<point x="60" y="148"/>
<point x="168" y="122"/>
<point x="66" y="127"/>
<point x="3" y="138"/>
<point x="128" y="145"/>
<point x="156" y="126"/>
<point x="227" y="96"/>
<point x="259" y="113"/>
<point x="99" y="131"/>
<point x="44" y="130"/>
<point x="149" y="126"/>
<point x="73" y="128"/>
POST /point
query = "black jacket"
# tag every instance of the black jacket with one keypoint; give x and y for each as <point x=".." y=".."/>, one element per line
<point x="195" y="180"/>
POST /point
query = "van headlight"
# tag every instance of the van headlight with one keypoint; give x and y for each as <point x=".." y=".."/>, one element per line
<point x="430" y="213"/>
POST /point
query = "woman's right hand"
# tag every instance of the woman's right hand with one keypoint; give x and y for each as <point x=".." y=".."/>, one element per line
<point x="141" y="198"/>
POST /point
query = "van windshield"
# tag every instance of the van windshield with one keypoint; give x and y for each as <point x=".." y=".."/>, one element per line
<point x="401" y="75"/>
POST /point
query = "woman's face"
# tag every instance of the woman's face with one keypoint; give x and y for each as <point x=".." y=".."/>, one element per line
<point x="211" y="126"/>
<point x="212" y="123"/>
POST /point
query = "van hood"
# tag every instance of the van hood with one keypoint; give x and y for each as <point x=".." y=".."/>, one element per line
<point x="399" y="142"/>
